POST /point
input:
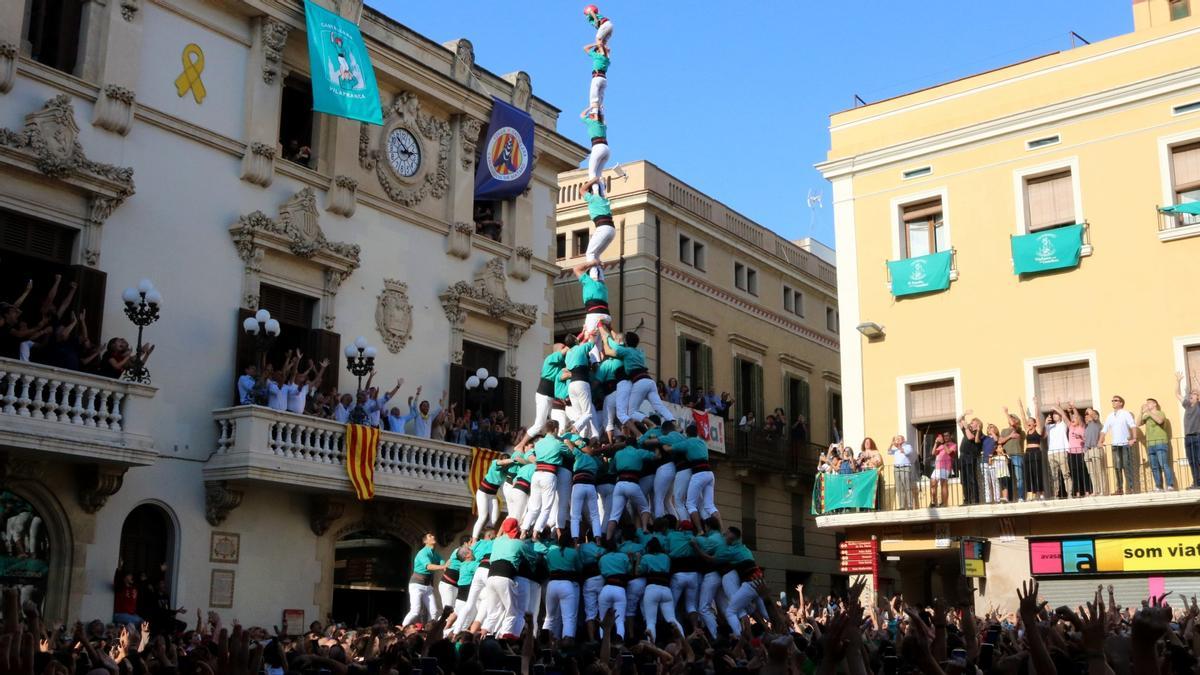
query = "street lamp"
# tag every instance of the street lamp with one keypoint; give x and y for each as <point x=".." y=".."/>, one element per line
<point x="141" y="306"/>
<point x="360" y="360"/>
<point x="480" y="382"/>
<point x="264" y="330"/>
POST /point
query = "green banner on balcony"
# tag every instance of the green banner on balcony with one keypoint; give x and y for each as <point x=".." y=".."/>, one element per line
<point x="835" y="491"/>
<point x="922" y="274"/>
<point x="1047" y="250"/>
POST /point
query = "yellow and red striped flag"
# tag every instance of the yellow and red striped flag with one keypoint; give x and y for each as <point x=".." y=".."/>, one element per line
<point x="362" y="443"/>
<point x="481" y="459"/>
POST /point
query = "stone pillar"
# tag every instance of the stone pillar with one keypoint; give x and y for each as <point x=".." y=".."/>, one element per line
<point x="111" y="50"/>
<point x="264" y="83"/>
<point x="460" y="208"/>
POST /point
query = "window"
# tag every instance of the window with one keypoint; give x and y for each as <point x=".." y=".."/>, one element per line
<point x="748" y="389"/>
<point x="917" y="173"/>
<point x="1185" y="179"/>
<point x="798" y="406"/>
<point x="1180" y="9"/>
<point x="749" y="516"/>
<point x="296" y="122"/>
<point x="685" y="250"/>
<point x="54" y="27"/>
<point x="751" y="281"/>
<point x="831" y="319"/>
<point x="799" y="511"/>
<point x="789" y="301"/>
<point x="1049" y="201"/>
<point x="1042" y="142"/>
<point x="739" y="275"/>
<point x="1069" y="383"/>
<point x="560" y="246"/>
<point x="924" y="228"/>
<point x="1185" y="108"/>
<point x="931" y="411"/>
<point x="581" y="239"/>
<point x="695" y="365"/>
<point x="1191" y="356"/>
<point x="698" y="256"/>
<point x="793" y="301"/>
<point x="835" y="414"/>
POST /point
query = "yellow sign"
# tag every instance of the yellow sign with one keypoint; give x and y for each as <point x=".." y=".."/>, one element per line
<point x="1116" y="555"/>
<point x="189" y="79"/>
<point x="973" y="568"/>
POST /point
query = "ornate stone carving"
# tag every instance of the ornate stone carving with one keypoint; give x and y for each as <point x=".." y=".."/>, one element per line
<point x="487" y="295"/>
<point x="258" y="164"/>
<point x="522" y="90"/>
<point x="433" y="178"/>
<point x="343" y="196"/>
<point x="464" y="60"/>
<point x="96" y="484"/>
<point x="515" y="332"/>
<point x="219" y="501"/>
<point x="274" y="37"/>
<point x="393" y="315"/>
<point x="114" y="109"/>
<point x="520" y="264"/>
<point x="386" y="515"/>
<point x="468" y="130"/>
<point x="458" y="240"/>
<point x="299" y="222"/>
<point x="8" y="66"/>
<point x="99" y="209"/>
<point x="322" y="512"/>
<point x="129" y="9"/>
<point x="51" y="139"/>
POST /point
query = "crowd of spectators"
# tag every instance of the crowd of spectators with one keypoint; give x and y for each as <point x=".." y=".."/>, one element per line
<point x="672" y="391"/>
<point x="53" y="335"/>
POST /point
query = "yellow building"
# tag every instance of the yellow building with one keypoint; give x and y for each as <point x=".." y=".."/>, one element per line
<point x="725" y="304"/>
<point x="1098" y="136"/>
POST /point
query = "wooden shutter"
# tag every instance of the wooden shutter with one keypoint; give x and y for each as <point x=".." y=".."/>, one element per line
<point x="706" y="366"/>
<point x="1185" y="167"/>
<point x="89" y="296"/>
<point x="757" y="386"/>
<point x="457" y="387"/>
<point x="326" y="344"/>
<point x="1192" y="356"/>
<point x="510" y="392"/>
<point x="1050" y="201"/>
<point x="931" y="402"/>
<point x="681" y="359"/>
<point x="799" y="504"/>
<point x="742" y="404"/>
<point x="749" y="515"/>
<point x="1071" y="383"/>
<point x="806" y="406"/>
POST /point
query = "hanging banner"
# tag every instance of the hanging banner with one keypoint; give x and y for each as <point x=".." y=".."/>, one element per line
<point x="923" y="274"/>
<point x="505" y="162"/>
<point x="836" y="491"/>
<point x="1047" y="250"/>
<point x="343" y="81"/>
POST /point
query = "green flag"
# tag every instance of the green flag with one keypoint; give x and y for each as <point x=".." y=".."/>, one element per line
<point x="923" y="274"/>
<point x="343" y="81"/>
<point x="836" y="491"/>
<point x="1047" y="250"/>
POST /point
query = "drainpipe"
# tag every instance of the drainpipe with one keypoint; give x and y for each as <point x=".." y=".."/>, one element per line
<point x="621" y="272"/>
<point x="658" y="295"/>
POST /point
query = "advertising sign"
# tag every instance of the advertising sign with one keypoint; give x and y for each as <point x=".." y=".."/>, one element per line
<point x="1117" y="554"/>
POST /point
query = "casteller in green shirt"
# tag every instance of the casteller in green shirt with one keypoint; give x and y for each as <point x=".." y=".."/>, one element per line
<point x="594" y="293"/>
<point x="600" y="62"/>
<point x="598" y="205"/>
<point x="596" y="128"/>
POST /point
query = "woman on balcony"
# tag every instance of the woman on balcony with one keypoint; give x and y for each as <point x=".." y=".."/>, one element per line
<point x="944" y="454"/>
<point x="1035" y="458"/>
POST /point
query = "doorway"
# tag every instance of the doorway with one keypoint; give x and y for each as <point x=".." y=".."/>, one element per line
<point x="370" y="578"/>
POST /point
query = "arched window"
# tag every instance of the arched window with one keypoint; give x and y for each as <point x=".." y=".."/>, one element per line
<point x="147" y="552"/>
<point x="370" y="577"/>
<point x="25" y="559"/>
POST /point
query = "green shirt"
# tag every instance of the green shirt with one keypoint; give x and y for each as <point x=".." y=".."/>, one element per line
<point x="561" y="389"/>
<point x="507" y="548"/>
<point x="526" y="472"/>
<point x="598" y="205"/>
<point x="631" y="547"/>
<point x="607" y="370"/>
<point x="730" y="554"/>
<point x="513" y="470"/>
<point x="466" y="573"/>
<point x="679" y="544"/>
<point x="652" y="434"/>
<point x="495" y="473"/>
<point x="1156" y="434"/>
<point x="424" y="558"/>
<point x="577" y="357"/>
<point x="631" y="459"/>
<point x="654" y="563"/>
<point x="560" y="559"/>
<point x="593" y="292"/>
<point x="552" y="365"/>
<point x="596" y="128"/>
<point x="549" y="450"/>
<point x="455" y="563"/>
<point x="696" y="449"/>
<point x="585" y="463"/>
<point x="482" y="549"/>
<point x="633" y="358"/>
<point x="599" y="60"/>
<point x="589" y="553"/>
<point x="614" y="564"/>
<point x="710" y="543"/>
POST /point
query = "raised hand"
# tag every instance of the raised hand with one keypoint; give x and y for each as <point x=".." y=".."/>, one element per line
<point x="1029" y="605"/>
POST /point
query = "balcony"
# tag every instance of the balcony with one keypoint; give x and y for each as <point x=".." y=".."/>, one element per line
<point x="68" y="415"/>
<point x="755" y="450"/>
<point x="1143" y="494"/>
<point x="260" y="445"/>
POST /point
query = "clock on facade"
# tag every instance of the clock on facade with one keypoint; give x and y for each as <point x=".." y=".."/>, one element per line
<point x="403" y="152"/>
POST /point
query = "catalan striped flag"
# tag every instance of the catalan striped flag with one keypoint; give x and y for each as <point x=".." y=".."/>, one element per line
<point x="481" y="459"/>
<point x="362" y="443"/>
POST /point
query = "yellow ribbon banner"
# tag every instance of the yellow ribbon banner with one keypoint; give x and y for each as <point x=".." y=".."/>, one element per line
<point x="189" y="80"/>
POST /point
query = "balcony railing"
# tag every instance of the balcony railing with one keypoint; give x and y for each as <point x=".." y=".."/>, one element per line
<point x="74" y="415"/>
<point x="1139" y="487"/>
<point x="258" y="444"/>
<point x="757" y="449"/>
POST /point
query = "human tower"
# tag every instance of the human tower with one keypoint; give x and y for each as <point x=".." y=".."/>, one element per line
<point x="608" y="507"/>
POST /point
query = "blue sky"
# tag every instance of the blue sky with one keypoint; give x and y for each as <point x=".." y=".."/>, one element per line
<point x="734" y="97"/>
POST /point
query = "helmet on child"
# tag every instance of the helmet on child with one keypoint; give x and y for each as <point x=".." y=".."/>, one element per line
<point x="591" y="10"/>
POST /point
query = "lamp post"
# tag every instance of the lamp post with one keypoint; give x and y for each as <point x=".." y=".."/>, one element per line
<point x="141" y="306"/>
<point x="264" y="330"/>
<point x="479" y="383"/>
<point x="360" y="360"/>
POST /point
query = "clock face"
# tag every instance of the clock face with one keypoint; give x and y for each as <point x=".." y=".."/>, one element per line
<point x="404" y="154"/>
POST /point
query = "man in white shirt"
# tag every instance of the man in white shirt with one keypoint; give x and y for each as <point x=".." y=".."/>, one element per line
<point x="376" y="403"/>
<point x="1057" y="444"/>
<point x="903" y="457"/>
<point x="395" y="421"/>
<point x="341" y="412"/>
<point x="245" y="385"/>
<point x="301" y="388"/>
<point x="1123" y="431"/>
<point x="421" y="416"/>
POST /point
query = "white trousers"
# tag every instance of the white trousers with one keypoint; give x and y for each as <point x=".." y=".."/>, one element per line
<point x="591" y="321"/>
<point x="686" y="587"/>
<point x="700" y="494"/>
<point x="489" y="512"/>
<point x="596" y="92"/>
<point x="591" y="597"/>
<point x="471" y="606"/>
<point x="610" y="411"/>
<point x="560" y="416"/>
<point x="646" y="390"/>
<point x="634" y="590"/>
<point x="710" y="586"/>
<point x="613" y="597"/>
<point x="683" y="477"/>
<point x="505" y="591"/>
<point x="582" y="410"/>
<point x="604" y="498"/>
<point x="646" y="483"/>
<point x="542" y="407"/>
<point x="597" y="160"/>
<point x="627" y="491"/>
<point x="542" y="489"/>
<point x="583" y="500"/>
<point x="664" y="483"/>
<point x="739" y="605"/>
<point x="521" y="604"/>
<point x="604" y="32"/>
<point x="562" y="608"/>
<point x="601" y="237"/>
<point x="624" y="387"/>
<point x="562" y="497"/>
<point x="420" y="599"/>
<point x="518" y="501"/>
<point x="659" y="600"/>
<point x="448" y="594"/>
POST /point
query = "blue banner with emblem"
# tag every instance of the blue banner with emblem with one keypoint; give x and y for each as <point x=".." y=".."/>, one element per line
<point x="922" y="274"/>
<point x="343" y="81"/>
<point x="506" y="155"/>
<point x="1047" y="250"/>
